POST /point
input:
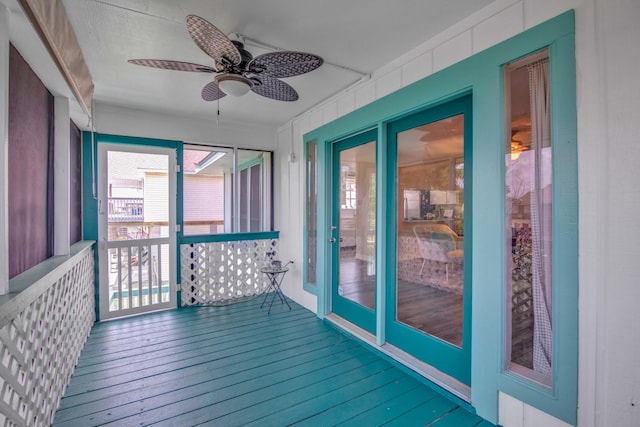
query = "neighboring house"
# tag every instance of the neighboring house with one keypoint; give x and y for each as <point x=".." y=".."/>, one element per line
<point x="138" y="196"/>
<point x="594" y="378"/>
<point x="205" y="196"/>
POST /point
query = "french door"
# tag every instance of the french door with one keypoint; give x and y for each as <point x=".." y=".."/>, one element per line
<point x="428" y="296"/>
<point x="353" y="233"/>
<point x="136" y="229"/>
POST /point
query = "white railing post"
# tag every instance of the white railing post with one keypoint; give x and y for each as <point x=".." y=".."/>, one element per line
<point x="4" y="149"/>
<point x="61" y="177"/>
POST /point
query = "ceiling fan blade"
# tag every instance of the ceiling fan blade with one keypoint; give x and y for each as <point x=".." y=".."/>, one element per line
<point x="211" y="91"/>
<point x="212" y="41"/>
<point x="273" y="88"/>
<point x="173" y="65"/>
<point x="285" y="63"/>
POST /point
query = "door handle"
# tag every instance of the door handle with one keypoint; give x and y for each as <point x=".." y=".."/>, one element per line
<point x="333" y="239"/>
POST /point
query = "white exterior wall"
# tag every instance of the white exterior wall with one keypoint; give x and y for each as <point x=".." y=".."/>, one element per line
<point x="132" y="122"/>
<point x="203" y="198"/>
<point x="203" y="195"/>
<point x="611" y="175"/>
<point x="156" y="203"/>
<point x="289" y="181"/>
<point x="607" y="34"/>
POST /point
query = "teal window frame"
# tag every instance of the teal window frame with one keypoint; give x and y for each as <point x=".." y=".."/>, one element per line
<point x="180" y="204"/>
<point x="90" y="204"/>
<point x="560" y="398"/>
<point x="306" y="284"/>
<point x="482" y="76"/>
<point x="240" y="168"/>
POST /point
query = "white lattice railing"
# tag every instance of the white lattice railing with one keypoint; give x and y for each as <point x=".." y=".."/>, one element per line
<point x="216" y="272"/>
<point x="42" y="331"/>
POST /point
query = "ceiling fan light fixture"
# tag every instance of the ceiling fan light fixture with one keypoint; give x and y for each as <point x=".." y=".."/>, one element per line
<point x="234" y="84"/>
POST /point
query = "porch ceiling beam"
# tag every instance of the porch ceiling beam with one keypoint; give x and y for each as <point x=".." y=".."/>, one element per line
<point x="49" y="19"/>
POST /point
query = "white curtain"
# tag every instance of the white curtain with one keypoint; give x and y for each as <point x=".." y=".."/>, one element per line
<point x="541" y="214"/>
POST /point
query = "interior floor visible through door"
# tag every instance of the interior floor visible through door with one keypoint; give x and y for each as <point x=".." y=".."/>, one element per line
<point x="421" y="306"/>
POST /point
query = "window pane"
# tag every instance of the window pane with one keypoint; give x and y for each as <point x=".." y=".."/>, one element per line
<point x="210" y="205"/>
<point x="255" y="199"/>
<point x="357" y="224"/>
<point x="204" y="197"/>
<point x="528" y="216"/>
<point x="137" y="204"/>
<point x="244" y="200"/>
<point x="312" y="195"/>
<point x="254" y="190"/>
<point x="430" y="188"/>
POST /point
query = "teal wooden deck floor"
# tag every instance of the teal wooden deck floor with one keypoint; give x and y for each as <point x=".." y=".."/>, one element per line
<point x="235" y="365"/>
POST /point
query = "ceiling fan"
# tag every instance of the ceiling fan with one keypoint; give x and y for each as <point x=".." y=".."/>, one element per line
<point x="238" y="72"/>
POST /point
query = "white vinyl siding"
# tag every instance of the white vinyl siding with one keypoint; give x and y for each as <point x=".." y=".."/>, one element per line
<point x="156" y="205"/>
<point x="204" y="196"/>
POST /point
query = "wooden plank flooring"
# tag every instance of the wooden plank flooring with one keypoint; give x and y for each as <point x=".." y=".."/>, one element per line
<point x="236" y="365"/>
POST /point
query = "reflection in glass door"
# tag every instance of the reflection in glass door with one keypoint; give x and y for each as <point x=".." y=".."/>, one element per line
<point x="354" y="230"/>
<point x="428" y="301"/>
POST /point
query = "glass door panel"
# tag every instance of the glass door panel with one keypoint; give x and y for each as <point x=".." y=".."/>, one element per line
<point x="354" y="230"/>
<point x="430" y="181"/>
<point x="428" y="299"/>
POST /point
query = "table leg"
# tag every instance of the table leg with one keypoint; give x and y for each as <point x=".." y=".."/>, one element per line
<point x="266" y="294"/>
<point x="275" y="281"/>
<point x="278" y="283"/>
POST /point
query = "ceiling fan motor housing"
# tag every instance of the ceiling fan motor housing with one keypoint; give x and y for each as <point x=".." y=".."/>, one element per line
<point x="244" y="54"/>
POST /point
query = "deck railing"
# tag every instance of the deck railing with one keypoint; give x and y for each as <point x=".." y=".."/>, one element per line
<point x="123" y="209"/>
<point x="225" y="267"/>
<point x="138" y="275"/>
<point x="44" y="323"/>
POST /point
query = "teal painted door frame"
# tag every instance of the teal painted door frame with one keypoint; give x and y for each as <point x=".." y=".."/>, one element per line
<point x="89" y="183"/>
<point x="452" y="360"/>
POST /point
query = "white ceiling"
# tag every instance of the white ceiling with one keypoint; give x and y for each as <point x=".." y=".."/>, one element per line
<point x="354" y="37"/>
